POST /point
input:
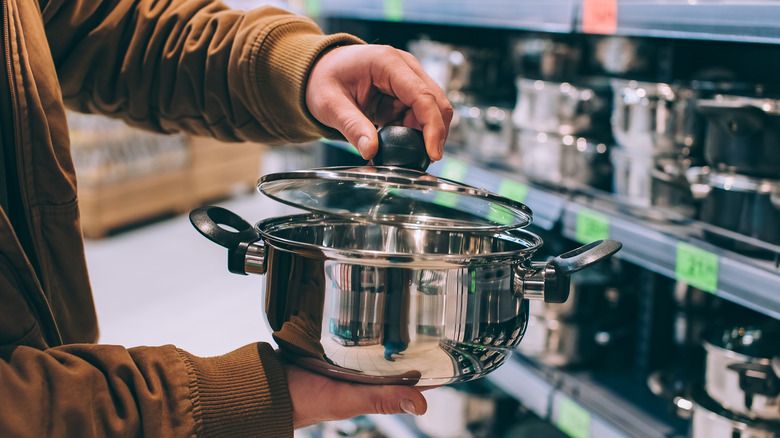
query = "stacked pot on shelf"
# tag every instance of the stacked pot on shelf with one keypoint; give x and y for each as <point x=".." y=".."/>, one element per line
<point x="741" y="193"/>
<point x="477" y="82"/>
<point x="561" y="119"/>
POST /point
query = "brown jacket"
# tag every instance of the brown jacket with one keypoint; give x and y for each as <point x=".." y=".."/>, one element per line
<point x="165" y="65"/>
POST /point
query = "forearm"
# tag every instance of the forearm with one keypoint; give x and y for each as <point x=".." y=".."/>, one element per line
<point x="101" y="390"/>
<point x="191" y="65"/>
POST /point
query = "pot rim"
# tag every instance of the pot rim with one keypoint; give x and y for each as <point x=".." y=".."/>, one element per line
<point x="742" y="183"/>
<point x="394" y="259"/>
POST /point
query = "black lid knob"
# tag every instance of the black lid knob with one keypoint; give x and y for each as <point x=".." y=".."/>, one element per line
<point x="402" y="147"/>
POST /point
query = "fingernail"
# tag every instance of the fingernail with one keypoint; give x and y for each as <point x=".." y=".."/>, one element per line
<point x="441" y="148"/>
<point x="362" y="144"/>
<point x="408" y="407"/>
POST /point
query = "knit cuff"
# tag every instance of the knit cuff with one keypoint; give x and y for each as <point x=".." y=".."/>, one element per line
<point x="242" y="393"/>
<point x="281" y="65"/>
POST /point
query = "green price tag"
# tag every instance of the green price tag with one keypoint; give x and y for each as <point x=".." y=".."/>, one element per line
<point x="513" y="190"/>
<point x="573" y="419"/>
<point x="697" y="267"/>
<point x="453" y="170"/>
<point x="394" y="10"/>
<point x="591" y="226"/>
<point x="312" y="8"/>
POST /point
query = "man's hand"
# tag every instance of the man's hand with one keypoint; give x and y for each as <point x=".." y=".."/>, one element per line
<point x="353" y="88"/>
<point x="316" y="398"/>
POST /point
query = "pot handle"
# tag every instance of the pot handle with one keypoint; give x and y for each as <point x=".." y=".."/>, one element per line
<point x="208" y="220"/>
<point x="756" y="378"/>
<point x="403" y="147"/>
<point x="552" y="280"/>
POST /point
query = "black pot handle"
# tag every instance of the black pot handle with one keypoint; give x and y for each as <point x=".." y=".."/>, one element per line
<point x="208" y="220"/>
<point x="756" y="379"/>
<point x="556" y="285"/>
<point x="402" y="147"/>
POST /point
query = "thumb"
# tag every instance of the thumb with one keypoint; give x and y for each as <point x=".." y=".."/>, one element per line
<point x="389" y="399"/>
<point x="348" y="119"/>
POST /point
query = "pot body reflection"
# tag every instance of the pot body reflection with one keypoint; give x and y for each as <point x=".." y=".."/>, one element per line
<point x="374" y="322"/>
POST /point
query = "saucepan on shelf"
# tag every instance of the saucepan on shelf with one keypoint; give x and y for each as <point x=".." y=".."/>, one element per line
<point x="395" y="275"/>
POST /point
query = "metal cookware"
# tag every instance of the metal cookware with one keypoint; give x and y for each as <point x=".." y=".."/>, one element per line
<point x="489" y="134"/>
<point x="566" y="161"/>
<point x="562" y="108"/>
<point x="546" y="58"/>
<point x="742" y="204"/>
<point x="656" y="118"/>
<point x="743" y="135"/>
<point x="395" y="276"/>
<point x="711" y="420"/>
<point x="739" y="374"/>
<point x="654" y="186"/>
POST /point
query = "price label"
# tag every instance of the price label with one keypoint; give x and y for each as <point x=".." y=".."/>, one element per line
<point x="591" y="226"/>
<point x="394" y="10"/>
<point x="599" y="16"/>
<point x="312" y="8"/>
<point x="513" y="190"/>
<point x="453" y="169"/>
<point x="697" y="267"/>
<point x="573" y="419"/>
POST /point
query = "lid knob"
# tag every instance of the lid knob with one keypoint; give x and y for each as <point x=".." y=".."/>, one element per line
<point x="402" y="147"/>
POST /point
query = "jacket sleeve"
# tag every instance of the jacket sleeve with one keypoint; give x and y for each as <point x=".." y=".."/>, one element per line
<point x="189" y="65"/>
<point x="102" y="390"/>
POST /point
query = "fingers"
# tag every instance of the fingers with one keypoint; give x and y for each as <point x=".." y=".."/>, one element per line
<point x="411" y="85"/>
<point x="350" y="121"/>
<point x="372" y="399"/>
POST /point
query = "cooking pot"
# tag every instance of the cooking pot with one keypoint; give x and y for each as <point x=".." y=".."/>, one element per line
<point x="566" y="161"/>
<point x="656" y="118"/>
<point x="490" y="134"/>
<point x="746" y="205"/>
<point x="742" y="135"/>
<point x="395" y="276"/>
<point x="653" y="186"/>
<point x="711" y="420"/>
<point x="739" y="374"/>
<point x="562" y="108"/>
<point x="545" y="57"/>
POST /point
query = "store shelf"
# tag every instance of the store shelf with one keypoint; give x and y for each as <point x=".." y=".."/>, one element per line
<point x="578" y="404"/>
<point x="722" y="20"/>
<point x="537" y="15"/>
<point x="659" y="246"/>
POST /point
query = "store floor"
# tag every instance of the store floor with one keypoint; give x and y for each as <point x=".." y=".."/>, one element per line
<point x="163" y="283"/>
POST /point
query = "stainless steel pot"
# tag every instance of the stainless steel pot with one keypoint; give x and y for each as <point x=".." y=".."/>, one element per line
<point x="396" y="276"/>
<point x="742" y="204"/>
<point x="489" y="134"/>
<point x="742" y="135"/>
<point x="546" y="58"/>
<point x="739" y="374"/>
<point x="654" y="186"/>
<point x="561" y="108"/>
<point x="710" y="420"/>
<point x="655" y="118"/>
<point x="566" y="161"/>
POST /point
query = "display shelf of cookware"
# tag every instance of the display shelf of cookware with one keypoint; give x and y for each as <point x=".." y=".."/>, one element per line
<point x="730" y="20"/>
<point x="539" y="15"/>
<point x="577" y="404"/>
<point x="671" y="248"/>
<point x="676" y="250"/>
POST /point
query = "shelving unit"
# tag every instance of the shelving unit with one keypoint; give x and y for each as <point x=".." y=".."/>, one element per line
<point x="583" y="403"/>
<point x="723" y="20"/>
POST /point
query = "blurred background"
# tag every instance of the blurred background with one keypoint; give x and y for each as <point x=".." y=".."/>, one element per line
<point x="655" y="123"/>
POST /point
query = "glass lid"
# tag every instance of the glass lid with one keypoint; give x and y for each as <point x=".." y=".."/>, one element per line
<point x="395" y="196"/>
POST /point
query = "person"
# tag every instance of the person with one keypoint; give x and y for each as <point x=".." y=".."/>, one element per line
<point x="168" y="66"/>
